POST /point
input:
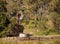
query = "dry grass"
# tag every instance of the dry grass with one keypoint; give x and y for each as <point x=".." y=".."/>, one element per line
<point x="14" y="40"/>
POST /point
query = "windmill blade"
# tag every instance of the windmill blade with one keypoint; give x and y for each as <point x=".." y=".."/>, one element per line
<point x="21" y="17"/>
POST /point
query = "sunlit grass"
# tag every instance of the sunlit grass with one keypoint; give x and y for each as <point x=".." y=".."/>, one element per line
<point x="17" y="41"/>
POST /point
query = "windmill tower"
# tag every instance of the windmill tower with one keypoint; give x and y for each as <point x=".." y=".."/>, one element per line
<point x="19" y="17"/>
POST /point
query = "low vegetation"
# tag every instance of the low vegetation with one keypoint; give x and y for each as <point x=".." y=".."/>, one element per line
<point x="40" y="17"/>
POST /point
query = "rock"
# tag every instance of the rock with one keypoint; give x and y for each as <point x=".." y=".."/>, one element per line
<point x="22" y="35"/>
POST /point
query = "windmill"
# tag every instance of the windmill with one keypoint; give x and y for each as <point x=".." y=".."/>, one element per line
<point x="18" y="28"/>
<point x="19" y="19"/>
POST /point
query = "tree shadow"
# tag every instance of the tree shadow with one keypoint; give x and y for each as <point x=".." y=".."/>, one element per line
<point x="21" y="28"/>
<point x="15" y="31"/>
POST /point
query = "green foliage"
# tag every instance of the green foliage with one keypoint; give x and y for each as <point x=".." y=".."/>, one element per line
<point x="44" y="15"/>
<point x="4" y="21"/>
